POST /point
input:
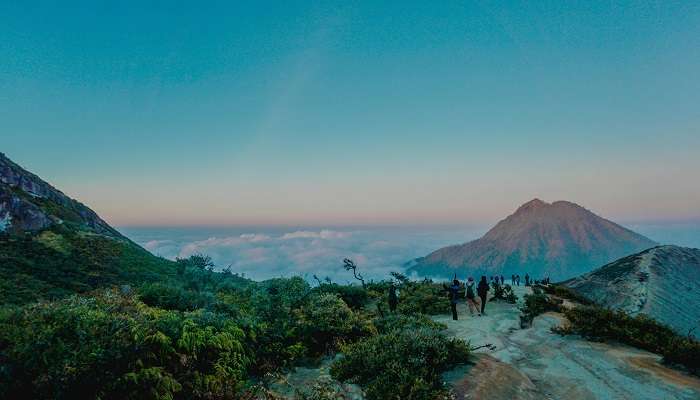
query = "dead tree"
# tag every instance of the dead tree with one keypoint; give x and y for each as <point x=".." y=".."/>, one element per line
<point x="349" y="265"/>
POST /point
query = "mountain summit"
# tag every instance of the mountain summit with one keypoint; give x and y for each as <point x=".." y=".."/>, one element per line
<point x="559" y="240"/>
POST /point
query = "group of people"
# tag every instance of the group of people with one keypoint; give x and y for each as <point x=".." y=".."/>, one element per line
<point x="475" y="294"/>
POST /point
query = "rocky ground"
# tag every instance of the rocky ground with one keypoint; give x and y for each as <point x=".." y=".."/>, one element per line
<point x="534" y="363"/>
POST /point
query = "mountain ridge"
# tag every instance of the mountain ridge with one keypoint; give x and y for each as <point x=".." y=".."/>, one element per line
<point x="662" y="282"/>
<point x="52" y="246"/>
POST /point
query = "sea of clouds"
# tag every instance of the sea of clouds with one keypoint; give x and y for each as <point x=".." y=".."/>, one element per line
<point x="262" y="253"/>
<point x="267" y="252"/>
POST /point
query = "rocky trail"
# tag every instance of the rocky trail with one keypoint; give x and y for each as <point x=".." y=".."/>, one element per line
<point x="535" y="363"/>
<point x="532" y="363"/>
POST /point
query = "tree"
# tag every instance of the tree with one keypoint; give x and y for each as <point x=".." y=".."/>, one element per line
<point x="350" y="265"/>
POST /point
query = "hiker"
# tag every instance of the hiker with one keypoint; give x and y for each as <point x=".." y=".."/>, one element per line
<point x="512" y="280"/>
<point x="502" y="280"/>
<point x="472" y="301"/>
<point x="482" y="290"/>
<point x="517" y="279"/>
<point x="393" y="300"/>
<point x="454" y="296"/>
<point x="527" y="280"/>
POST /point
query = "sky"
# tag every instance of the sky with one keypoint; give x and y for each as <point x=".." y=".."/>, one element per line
<point x="318" y="113"/>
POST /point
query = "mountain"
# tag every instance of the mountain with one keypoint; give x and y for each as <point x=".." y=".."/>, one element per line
<point x="52" y="245"/>
<point x="559" y="240"/>
<point x="662" y="282"/>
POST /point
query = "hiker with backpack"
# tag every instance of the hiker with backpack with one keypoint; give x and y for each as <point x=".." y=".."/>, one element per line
<point x="472" y="301"/>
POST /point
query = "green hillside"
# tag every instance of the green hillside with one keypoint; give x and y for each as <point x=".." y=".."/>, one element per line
<point x="59" y="261"/>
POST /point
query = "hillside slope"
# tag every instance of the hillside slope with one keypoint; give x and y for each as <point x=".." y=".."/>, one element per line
<point x="662" y="282"/>
<point x="52" y="245"/>
<point x="559" y="240"/>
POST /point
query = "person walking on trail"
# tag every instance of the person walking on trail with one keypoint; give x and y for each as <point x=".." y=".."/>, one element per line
<point x="453" y="291"/>
<point x="482" y="290"/>
<point x="517" y="279"/>
<point x="502" y="280"/>
<point x="527" y="280"/>
<point x="393" y="299"/>
<point x="512" y="280"/>
<point x="472" y="300"/>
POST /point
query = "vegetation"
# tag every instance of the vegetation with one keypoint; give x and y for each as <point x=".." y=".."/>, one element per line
<point x="601" y="324"/>
<point x="537" y="303"/>
<point x="112" y="346"/>
<point x="597" y="323"/>
<point x="505" y="293"/>
<point x="60" y="262"/>
<point x="87" y="316"/>
<point x="565" y="293"/>
<point x="401" y="363"/>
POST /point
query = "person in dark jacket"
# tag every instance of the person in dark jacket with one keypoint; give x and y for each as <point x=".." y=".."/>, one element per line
<point x="483" y="290"/>
<point x="502" y="280"/>
<point x="453" y="291"/>
<point x="527" y="280"/>
<point x="393" y="299"/>
<point x="472" y="300"/>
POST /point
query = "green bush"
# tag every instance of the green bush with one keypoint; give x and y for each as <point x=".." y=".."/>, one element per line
<point x="601" y="324"/>
<point x="505" y="293"/>
<point x="354" y="296"/>
<point x="405" y="361"/>
<point x="326" y="321"/>
<point x="566" y="293"/>
<point x="537" y="303"/>
<point x="112" y="346"/>
<point x="174" y="297"/>
<point x="422" y="298"/>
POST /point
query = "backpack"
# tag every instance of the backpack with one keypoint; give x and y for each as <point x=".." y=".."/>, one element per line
<point x="470" y="291"/>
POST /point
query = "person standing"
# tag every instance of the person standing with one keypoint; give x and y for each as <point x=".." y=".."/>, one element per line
<point x="512" y="280"/>
<point x="483" y="290"/>
<point x="502" y="280"/>
<point x="453" y="291"/>
<point x="527" y="280"/>
<point x="472" y="301"/>
<point x="393" y="299"/>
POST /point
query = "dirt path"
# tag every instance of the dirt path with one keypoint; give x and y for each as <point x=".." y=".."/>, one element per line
<point x="535" y="363"/>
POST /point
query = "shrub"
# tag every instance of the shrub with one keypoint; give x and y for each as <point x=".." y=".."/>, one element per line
<point x="326" y="321"/>
<point x="566" y="293"/>
<point x="401" y="362"/>
<point x="354" y="296"/>
<point x="112" y="346"/>
<point x="535" y="304"/>
<point x="601" y="324"/>
<point x="422" y="298"/>
<point x="505" y="293"/>
<point x="174" y="297"/>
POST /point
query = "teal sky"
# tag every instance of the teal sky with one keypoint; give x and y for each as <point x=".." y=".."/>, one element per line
<point x="355" y="112"/>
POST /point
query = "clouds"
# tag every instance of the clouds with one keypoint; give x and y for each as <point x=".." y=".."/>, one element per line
<point x="263" y="255"/>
